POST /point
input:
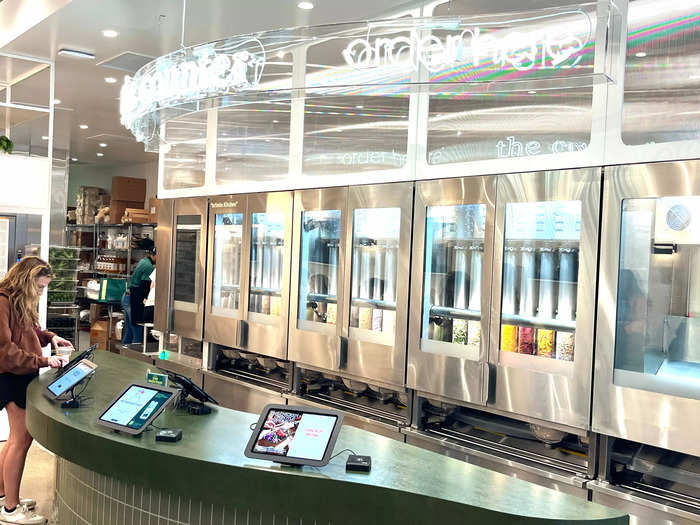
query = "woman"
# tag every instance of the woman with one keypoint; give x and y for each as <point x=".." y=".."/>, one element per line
<point x="21" y="341"/>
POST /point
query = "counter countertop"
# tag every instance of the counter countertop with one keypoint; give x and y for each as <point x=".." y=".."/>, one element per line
<point x="406" y="485"/>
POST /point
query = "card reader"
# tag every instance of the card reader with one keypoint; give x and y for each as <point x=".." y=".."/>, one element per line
<point x="358" y="463"/>
<point x="171" y="435"/>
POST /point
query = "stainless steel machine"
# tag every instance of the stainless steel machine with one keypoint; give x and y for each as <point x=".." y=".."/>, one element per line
<point x="450" y="303"/>
<point x="647" y="377"/>
<point x="545" y="259"/>
<point x="350" y="283"/>
<point x="250" y="239"/>
<point x="189" y="228"/>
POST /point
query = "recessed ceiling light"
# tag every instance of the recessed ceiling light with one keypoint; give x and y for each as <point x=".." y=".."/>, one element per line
<point x="83" y="126"/>
<point x="359" y="107"/>
<point x="57" y="101"/>
<point x="100" y="154"/>
<point x="110" y="33"/>
<point x="641" y="54"/>
<point x="459" y="133"/>
<point x="110" y="80"/>
<point x="44" y="137"/>
<point x="76" y="54"/>
<point x="275" y="121"/>
<point x="531" y="92"/>
<point x="305" y="5"/>
<point x="74" y="159"/>
<point x="103" y="145"/>
<point x="280" y="54"/>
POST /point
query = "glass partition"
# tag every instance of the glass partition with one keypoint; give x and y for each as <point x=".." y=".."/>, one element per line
<point x="266" y="263"/>
<point x="454" y="250"/>
<point x="540" y="278"/>
<point x="375" y="248"/>
<point x="318" y="269"/>
<point x="228" y="237"/>
<point x="187" y="238"/>
<point x="658" y="299"/>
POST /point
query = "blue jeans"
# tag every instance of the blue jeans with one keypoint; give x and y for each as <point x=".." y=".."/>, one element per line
<point x="131" y="333"/>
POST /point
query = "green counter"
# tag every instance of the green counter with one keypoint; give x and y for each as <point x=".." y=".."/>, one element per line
<point x="207" y="469"/>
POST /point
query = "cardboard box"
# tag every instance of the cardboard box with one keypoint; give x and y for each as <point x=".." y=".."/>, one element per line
<point x="117" y="209"/>
<point x="99" y="334"/>
<point x="129" y="189"/>
<point x="95" y="312"/>
<point x="136" y="215"/>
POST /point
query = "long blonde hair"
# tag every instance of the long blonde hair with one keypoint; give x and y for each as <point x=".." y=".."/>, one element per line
<point x="19" y="284"/>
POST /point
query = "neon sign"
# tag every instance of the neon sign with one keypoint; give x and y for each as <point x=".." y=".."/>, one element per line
<point x="191" y="74"/>
<point x="547" y="47"/>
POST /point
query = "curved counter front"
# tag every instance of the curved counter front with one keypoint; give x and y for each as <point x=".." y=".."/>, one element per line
<point x="106" y="477"/>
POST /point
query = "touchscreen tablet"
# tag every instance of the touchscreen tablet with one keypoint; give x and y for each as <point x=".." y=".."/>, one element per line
<point x="295" y="435"/>
<point x="86" y="354"/>
<point x="134" y="409"/>
<point x="72" y="377"/>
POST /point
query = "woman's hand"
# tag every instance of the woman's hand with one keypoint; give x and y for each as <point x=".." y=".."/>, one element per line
<point x="59" y="341"/>
<point x="56" y="361"/>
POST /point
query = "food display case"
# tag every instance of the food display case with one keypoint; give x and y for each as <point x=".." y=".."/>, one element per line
<point x="647" y="376"/>
<point x="546" y="245"/>
<point x="450" y="303"/>
<point x="316" y="314"/>
<point x="248" y="278"/>
<point x="188" y="260"/>
<point x="351" y="281"/>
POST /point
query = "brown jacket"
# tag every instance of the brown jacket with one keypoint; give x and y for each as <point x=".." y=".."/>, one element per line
<point x="20" y="347"/>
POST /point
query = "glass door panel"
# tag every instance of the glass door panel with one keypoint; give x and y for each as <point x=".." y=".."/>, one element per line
<point x="318" y="270"/>
<point x="186" y="275"/>
<point x="375" y="247"/>
<point x="266" y="263"/>
<point x="454" y="250"/>
<point x="540" y="279"/>
<point x="658" y="299"/>
<point x="228" y="237"/>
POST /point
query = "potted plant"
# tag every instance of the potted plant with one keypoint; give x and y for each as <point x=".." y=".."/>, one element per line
<point x="6" y="145"/>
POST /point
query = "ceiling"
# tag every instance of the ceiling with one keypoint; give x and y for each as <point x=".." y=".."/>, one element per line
<point x="153" y="28"/>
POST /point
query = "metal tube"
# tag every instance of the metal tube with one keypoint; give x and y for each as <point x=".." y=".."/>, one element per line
<point x="365" y="272"/>
<point x="545" y="305"/>
<point x="566" y="303"/>
<point x="508" y="332"/>
<point x="377" y="293"/>
<point x="526" y="334"/>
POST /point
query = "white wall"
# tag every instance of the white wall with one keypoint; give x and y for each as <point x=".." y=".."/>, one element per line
<point x="102" y="177"/>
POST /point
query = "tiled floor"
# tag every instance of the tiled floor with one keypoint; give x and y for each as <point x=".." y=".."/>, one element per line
<point x="38" y="479"/>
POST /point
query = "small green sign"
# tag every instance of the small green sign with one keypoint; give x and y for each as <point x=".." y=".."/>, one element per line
<point x="157" y="379"/>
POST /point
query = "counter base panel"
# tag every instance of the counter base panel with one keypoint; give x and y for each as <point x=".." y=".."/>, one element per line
<point x="237" y="395"/>
<point x="87" y="497"/>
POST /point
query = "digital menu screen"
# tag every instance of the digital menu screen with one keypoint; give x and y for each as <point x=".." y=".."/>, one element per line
<point x="71" y="378"/>
<point x="135" y="406"/>
<point x="297" y="435"/>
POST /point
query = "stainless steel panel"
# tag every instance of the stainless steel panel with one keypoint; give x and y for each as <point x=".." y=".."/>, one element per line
<point x="237" y="395"/>
<point x="644" y="416"/>
<point x="447" y="375"/>
<point x="307" y="346"/>
<point x="267" y="334"/>
<point x="571" y="485"/>
<point x="548" y="389"/>
<point x="188" y="317"/>
<point x="222" y="329"/>
<point x="365" y="358"/>
<point x="162" y="320"/>
<point x="642" y="511"/>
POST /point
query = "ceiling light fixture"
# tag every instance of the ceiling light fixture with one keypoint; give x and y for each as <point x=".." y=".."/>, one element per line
<point x="57" y="101"/>
<point x="459" y="133"/>
<point x="103" y="145"/>
<point x="531" y="92"/>
<point x="100" y="154"/>
<point x="359" y="107"/>
<point x="275" y="121"/>
<point x="280" y="54"/>
<point x="110" y="80"/>
<point x="44" y="137"/>
<point x="641" y="54"/>
<point x="76" y="54"/>
<point x="83" y="126"/>
<point x="110" y="33"/>
<point x="305" y="5"/>
<point x="74" y="159"/>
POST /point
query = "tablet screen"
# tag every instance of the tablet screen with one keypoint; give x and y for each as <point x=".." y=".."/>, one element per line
<point x="135" y="406"/>
<point x="70" y="379"/>
<point x="292" y="434"/>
